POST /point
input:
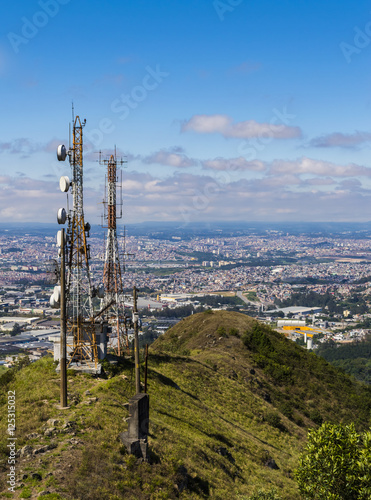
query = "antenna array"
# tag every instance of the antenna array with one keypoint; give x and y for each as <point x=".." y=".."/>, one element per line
<point x="82" y="327"/>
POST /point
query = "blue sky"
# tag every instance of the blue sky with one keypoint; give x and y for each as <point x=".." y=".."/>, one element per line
<point x="224" y="109"/>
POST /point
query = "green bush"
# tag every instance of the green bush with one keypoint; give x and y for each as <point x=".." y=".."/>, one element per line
<point x="234" y="332"/>
<point x="335" y="464"/>
<point x="273" y="419"/>
<point x="221" y="332"/>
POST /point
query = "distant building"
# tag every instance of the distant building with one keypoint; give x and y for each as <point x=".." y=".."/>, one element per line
<point x="290" y="322"/>
<point x="297" y="310"/>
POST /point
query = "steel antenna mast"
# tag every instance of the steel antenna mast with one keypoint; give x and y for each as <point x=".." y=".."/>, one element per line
<point x="112" y="273"/>
<point x="81" y="327"/>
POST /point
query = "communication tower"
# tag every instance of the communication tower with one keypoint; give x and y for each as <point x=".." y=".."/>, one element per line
<point x="112" y="273"/>
<point x="85" y="336"/>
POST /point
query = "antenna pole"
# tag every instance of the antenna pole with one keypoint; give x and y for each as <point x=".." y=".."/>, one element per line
<point x="136" y="341"/>
<point x="63" y="355"/>
<point x="145" y="369"/>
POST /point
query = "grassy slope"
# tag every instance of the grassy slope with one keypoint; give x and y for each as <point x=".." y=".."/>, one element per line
<point x="218" y="411"/>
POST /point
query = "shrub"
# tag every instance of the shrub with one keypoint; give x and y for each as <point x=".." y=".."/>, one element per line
<point x="221" y="332"/>
<point x="335" y="464"/>
<point x="273" y="419"/>
<point x="316" y="417"/>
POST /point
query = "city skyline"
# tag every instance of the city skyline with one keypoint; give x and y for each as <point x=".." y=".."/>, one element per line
<point x="225" y="110"/>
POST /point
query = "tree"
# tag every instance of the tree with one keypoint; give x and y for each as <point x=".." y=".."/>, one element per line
<point x="335" y="464"/>
<point x="22" y="361"/>
<point x="16" y="330"/>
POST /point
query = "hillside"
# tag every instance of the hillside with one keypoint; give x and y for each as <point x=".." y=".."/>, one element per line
<point x="354" y="358"/>
<point x="230" y="405"/>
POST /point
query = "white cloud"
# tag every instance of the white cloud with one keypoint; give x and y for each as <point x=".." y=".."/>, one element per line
<point x="207" y="124"/>
<point x="278" y="181"/>
<point x="25" y="199"/>
<point x="318" y="167"/>
<point x="233" y="164"/>
<point x="223" y="124"/>
<point x="173" y="158"/>
<point x="319" y="181"/>
<point x="337" y="139"/>
<point x="21" y="146"/>
<point x="187" y="197"/>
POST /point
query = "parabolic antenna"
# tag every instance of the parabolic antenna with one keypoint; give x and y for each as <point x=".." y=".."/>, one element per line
<point x="64" y="184"/>
<point x="101" y="291"/>
<point x="61" y="216"/>
<point x="61" y="152"/>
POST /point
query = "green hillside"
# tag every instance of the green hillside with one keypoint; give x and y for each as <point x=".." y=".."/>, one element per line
<point x="354" y="358"/>
<point x="230" y="405"/>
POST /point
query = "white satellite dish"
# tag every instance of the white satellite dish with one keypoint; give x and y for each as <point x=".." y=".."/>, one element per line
<point x="61" y="152"/>
<point x="61" y="216"/>
<point x="64" y="184"/>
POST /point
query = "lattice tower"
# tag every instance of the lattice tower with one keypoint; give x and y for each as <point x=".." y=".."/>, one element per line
<point x="80" y="319"/>
<point x="112" y="274"/>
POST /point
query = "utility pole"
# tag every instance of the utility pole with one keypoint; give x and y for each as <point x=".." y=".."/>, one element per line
<point x="63" y="356"/>
<point x="136" y="341"/>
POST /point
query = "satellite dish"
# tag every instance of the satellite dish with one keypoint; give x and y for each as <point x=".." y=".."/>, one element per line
<point x="64" y="183"/>
<point x="61" y="216"/>
<point x="61" y="152"/>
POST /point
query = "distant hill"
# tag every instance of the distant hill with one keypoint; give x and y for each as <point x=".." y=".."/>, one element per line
<point x="230" y="404"/>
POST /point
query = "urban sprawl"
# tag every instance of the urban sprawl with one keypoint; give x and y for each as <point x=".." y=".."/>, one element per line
<point x="261" y="275"/>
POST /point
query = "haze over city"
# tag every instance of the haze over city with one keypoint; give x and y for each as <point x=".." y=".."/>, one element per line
<point x="224" y="110"/>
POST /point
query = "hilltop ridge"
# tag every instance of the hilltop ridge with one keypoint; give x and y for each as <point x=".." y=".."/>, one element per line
<point x="231" y="401"/>
<point x="245" y="350"/>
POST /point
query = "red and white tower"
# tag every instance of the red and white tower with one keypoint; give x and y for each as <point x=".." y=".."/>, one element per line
<point x="113" y="299"/>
